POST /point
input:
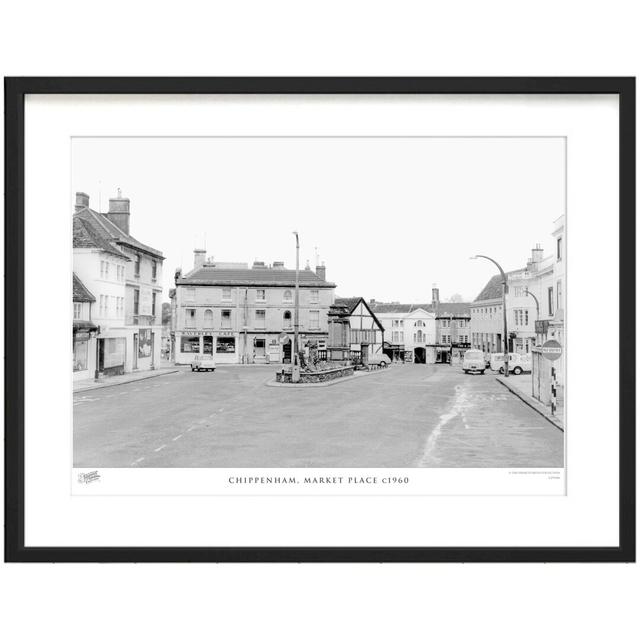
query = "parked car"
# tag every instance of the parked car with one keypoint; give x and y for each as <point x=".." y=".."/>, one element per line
<point x="518" y="363"/>
<point x="473" y="361"/>
<point x="379" y="360"/>
<point x="203" y="363"/>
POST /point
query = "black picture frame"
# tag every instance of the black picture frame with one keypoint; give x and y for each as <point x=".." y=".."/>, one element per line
<point x="15" y="91"/>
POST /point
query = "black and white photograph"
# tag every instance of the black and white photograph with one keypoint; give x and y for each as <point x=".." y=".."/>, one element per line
<point x="364" y="318"/>
<point x="319" y="302"/>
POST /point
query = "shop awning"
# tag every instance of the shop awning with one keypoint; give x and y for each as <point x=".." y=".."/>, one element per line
<point x="83" y="325"/>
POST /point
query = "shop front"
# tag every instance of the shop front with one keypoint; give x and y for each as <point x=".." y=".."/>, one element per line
<point x="84" y="350"/>
<point x="112" y="352"/>
<point x="222" y="345"/>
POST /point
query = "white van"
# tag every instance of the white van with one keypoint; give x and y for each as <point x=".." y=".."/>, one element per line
<point x="518" y="363"/>
<point x="473" y="361"/>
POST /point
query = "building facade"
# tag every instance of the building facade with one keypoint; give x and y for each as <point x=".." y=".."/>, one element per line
<point x="365" y="331"/>
<point x="245" y="315"/>
<point x="443" y="328"/>
<point x="125" y="277"/>
<point x="527" y="301"/>
<point x="84" y="332"/>
<point x="410" y="335"/>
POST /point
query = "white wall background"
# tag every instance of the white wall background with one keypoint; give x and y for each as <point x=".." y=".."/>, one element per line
<point x="334" y="38"/>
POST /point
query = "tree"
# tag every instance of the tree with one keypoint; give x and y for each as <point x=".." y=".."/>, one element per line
<point x="456" y="297"/>
<point x="166" y="313"/>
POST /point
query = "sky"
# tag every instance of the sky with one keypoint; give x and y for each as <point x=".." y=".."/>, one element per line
<point x="389" y="217"/>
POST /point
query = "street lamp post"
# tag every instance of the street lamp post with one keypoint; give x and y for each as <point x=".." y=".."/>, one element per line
<point x="533" y="360"/>
<point x="296" y="313"/>
<point x="504" y="311"/>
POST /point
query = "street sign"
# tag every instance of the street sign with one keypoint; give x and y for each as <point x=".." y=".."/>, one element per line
<point x="551" y="350"/>
<point x="283" y="338"/>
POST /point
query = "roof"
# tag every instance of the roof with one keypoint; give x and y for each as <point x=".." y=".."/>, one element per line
<point x="104" y="231"/>
<point x="444" y="308"/>
<point x="80" y="292"/>
<point x="492" y="290"/>
<point x="210" y="274"/>
<point x="352" y="303"/>
<point x="349" y="303"/>
<point x="87" y="235"/>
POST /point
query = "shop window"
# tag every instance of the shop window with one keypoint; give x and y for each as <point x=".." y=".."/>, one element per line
<point x="208" y="318"/>
<point x="207" y="345"/>
<point x="189" y="344"/>
<point x="225" y="345"/>
<point x="226" y="319"/>
<point x="80" y="355"/>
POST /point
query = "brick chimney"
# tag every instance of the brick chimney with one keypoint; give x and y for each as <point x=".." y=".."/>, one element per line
<point x="119" y="212"/>
<point x="199" y="257"/>
<point x="82" y="200"/>
<point x="321" y="271"/>
<point x="536" y="258"/>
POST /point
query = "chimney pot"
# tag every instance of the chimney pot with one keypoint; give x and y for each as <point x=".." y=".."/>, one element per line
<point x="82" y="200"/>
<point x="119" y="212"/>
<point x="321" y="271"/>
<point x="199" y="257"/>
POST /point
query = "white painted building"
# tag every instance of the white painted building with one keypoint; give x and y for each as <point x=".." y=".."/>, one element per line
<point x="84" y="331"/>
<point x="125" y="278"/>
<point x="410" y="335"/>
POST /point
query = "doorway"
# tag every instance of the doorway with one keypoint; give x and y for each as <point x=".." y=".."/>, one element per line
<point x="420" y="355"/>
<point x="100" y="366"/>
<point x="259" y="347"/>
<point x="135" y="350"/>
<point x="286" y="352"/>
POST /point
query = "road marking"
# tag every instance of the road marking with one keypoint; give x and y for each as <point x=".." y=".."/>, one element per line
<point x="177" y="437"/>
<point x="191" y="428"/>
<point x="456" y="409"/>
<point x="139" y="460"/>
<point x="160" y="448"/>
<point x="123" y="393"/>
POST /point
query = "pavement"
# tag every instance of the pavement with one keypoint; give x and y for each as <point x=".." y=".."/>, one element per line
<point x="112" y="381"/>
<point x="409" y="416"/>
<point x="521" y="386"/>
